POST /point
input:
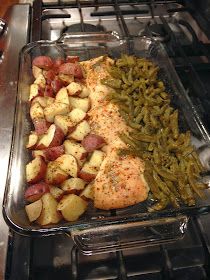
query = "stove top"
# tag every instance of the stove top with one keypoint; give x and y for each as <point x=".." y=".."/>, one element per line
<point x="184" y="32"/>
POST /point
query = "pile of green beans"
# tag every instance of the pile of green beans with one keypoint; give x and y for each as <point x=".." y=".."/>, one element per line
<point x="172" y="167"/>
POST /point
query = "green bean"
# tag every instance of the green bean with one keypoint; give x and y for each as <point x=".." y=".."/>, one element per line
<point x="113" y="83"/>
<point x="174" y="124"/>
<point x="159" y="205"/>
<point x="144" y="137"/>
<point x="174" y="168"/>
<point x="190" y="197"/>
<point x="165" y="173"/>
<point x="151" y="183"/>
<point x="192" y="181"/>
<point x="127" y="140"/>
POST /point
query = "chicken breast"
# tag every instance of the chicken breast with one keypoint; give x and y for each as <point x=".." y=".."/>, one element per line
<point x="120" y="182"/>
<point x="106" y="121"/>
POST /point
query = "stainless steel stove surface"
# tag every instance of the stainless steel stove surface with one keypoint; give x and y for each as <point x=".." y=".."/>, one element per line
<point x="184" y="30"/>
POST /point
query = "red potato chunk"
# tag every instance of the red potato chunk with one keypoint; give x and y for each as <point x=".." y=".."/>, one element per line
<point x="56" y="85"/>
<point x="49" y="76"/>
<point x="71" y="69"/>
<point x="58" y="62"/>
<point x="43" y="62"/>
<point x="32" y="140"/>
<point x="56" y="192"/>
<point x="52" y="138"/>
<point x="86" y="176"/>
<point x="54" y="152"/>
<point x="35" y="170"/>
<point x="41" y="126"/>
<point x="68" y="164"/>
<point x="36" y="191"/>
<point x="72" y="58"/>
<point x="48" y="91"/>
<point x="93" y="142"/>
<point x="55" y="175"/>
<point x="34" y="210"/>
<point x="36" y="153"/>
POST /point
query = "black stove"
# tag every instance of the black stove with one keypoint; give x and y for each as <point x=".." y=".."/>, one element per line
<point x="184" y="29"/>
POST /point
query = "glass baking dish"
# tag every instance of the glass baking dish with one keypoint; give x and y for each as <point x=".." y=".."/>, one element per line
<point x="99" y="231"/>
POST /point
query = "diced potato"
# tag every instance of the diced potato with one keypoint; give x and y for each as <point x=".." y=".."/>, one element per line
<point x="76" y="150"/>
<point x="36" y="111"/>
<point x="72" y="207"/>
<point x="40" y="80"/>
<point x="66" y="78"/>
<point x="84" y="93"/>
<point x="52" y="138"/>
<point x="88" y="192"/>
<point x="54" y="174"/>
<point x="56" y="192"/>
<point x="62" y="96"/>
<point x="80" y="132"/>
<point x="65" y="123"/>
<point x="81" y="103"/>
<point x="36" y="71"/>
<point x="77" y="115"/>
<point x="88" y="172"/>
<point x="34" y="210"/>
<point x="97" y="158"/>
<point x="68" y="164"/>
<point x="49" y="213"/>
<point x="32" y="140"/>
<point x="73" y="185"/>
<point x="34" y="91"/>
<point x="35" y="170"/>
<point x="74" y="88"/>
<point x="56" y="108"/>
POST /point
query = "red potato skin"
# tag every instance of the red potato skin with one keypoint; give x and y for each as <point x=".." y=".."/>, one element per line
<point x="43" y="62"/>
<point x="35" y="192"/>
<point x="34" y="155"/>
<point x="49" y="76"/>
<point x="72" y="58"/>
<point x="41" y="126"/>
<point x="42" y="171"/>
<point x="48" y="92"/>
<point x="83" y="156"/>
<point x="40" y="93"/>
<point x="54" y="152"/>
<point x="92" y="142"/>
<point x="58" y="138"/>
<point x="59" y="179"/>
<point x="71" y="69"/>
<point x="86" y="176"/>
<point x="58" y="62"/>
<point x="56" y="141"/>
<point x="56" y="85"/>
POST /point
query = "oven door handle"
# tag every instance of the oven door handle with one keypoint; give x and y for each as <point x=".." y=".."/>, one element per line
<point x="128" y="235"/>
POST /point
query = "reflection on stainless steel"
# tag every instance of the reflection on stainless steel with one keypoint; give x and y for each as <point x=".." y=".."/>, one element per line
<point x="16" y="37"/>
<point x="2" y="26"/>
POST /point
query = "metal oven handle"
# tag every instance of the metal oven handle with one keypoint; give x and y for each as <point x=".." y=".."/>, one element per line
<point x="114" y="237"/>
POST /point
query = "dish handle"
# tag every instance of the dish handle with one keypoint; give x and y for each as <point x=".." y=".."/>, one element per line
<point x="128" y="235"/>
<point x="88" y="37"/>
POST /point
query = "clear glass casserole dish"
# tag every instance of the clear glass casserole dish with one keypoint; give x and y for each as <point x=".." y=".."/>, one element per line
<point x="99" y="231"/>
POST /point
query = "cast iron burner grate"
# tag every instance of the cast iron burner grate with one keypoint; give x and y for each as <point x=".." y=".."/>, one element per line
<point x="55" y="257"/>
<point x="83" y="28"/>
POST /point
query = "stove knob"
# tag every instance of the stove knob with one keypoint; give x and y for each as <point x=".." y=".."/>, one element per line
<point x="3" y="26"/>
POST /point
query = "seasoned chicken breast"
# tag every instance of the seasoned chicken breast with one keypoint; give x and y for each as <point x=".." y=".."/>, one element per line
<point x="120" y="181"/>
<point x="106" y="121"/>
